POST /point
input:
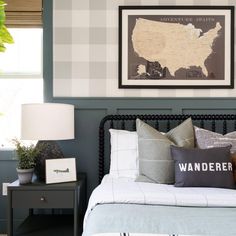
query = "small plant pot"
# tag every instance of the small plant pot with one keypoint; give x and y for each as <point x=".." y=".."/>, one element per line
<point x="25" y="175"/>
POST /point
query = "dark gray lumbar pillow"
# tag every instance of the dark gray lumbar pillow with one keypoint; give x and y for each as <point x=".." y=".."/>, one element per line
<point x="155" y="161"/>
<point x="203" y="167"/>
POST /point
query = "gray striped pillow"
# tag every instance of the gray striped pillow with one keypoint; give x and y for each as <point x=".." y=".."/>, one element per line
<point x="155" y="161"/>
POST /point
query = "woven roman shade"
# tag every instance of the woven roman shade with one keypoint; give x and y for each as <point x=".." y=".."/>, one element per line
<point x="24" y="13"/>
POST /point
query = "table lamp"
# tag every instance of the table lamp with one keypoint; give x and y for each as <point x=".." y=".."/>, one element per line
<point x="47" y="122"/>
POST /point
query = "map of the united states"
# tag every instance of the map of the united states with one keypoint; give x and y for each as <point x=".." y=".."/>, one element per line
<point x="173" y="45"/>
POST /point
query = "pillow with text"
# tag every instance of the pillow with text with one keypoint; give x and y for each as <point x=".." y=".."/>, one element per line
<point x="203" y="167"/>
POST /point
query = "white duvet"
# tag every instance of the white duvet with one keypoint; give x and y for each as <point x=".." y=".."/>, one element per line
<point x="125" y="190"/>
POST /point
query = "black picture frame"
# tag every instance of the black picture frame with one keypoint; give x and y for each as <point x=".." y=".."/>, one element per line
<point x="138" y="66"/>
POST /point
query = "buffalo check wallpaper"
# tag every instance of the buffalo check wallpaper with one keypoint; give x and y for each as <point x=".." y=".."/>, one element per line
<point x="85" y="50"/>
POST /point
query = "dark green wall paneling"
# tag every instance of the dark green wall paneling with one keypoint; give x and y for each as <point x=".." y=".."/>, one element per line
<point x="89" y="112"/>
<point x="7" y="175"/>
<point x="47" y="48"/>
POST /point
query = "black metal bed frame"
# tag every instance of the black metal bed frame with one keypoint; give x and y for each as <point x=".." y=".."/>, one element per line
<point x="120" y="122"/>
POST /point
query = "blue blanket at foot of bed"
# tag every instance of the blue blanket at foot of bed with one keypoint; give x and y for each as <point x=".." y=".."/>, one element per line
<point x="155" y="219"/>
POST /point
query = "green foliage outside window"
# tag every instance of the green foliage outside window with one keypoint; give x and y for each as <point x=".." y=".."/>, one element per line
<point x="5" y="36"/>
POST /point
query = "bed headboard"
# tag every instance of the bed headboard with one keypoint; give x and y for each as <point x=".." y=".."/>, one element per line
<point x="219" y="123"/>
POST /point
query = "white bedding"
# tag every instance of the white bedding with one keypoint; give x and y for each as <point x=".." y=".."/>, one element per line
<point x="125" y="190"/>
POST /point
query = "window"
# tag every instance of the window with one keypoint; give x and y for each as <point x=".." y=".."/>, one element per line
<point x="20" y="79"/>
<point x="24" y="57"/>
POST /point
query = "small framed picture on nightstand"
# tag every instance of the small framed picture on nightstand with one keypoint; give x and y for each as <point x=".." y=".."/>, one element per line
<point x="60" y="170"/>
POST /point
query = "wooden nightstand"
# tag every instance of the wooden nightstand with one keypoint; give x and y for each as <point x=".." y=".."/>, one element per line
<point x="38" y="195"/>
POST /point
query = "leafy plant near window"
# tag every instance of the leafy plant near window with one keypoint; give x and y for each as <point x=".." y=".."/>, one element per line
<point x="5" y="36"/>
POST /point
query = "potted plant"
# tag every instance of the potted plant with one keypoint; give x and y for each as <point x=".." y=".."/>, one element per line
<point x="26" y="156"/>
<point x="5" y="36"/>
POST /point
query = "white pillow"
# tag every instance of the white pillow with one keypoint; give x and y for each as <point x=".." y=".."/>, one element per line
<point x="124" y="154"/>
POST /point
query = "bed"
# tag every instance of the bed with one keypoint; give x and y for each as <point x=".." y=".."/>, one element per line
<point x="122" y="205"/>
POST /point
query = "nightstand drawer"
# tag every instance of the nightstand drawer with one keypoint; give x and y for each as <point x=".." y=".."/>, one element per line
<point x="43" y="199"/>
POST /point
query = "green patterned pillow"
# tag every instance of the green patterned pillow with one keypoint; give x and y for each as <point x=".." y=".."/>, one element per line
<point x="155" y="161"/>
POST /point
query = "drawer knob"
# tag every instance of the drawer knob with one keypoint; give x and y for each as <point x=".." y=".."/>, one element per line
<point x="42" y="199"/>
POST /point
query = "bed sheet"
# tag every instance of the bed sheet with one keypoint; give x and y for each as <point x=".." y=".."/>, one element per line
<point x="123" y="202"/>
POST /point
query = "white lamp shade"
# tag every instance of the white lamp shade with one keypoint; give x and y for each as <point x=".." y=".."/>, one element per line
<point x="47" y="121"/>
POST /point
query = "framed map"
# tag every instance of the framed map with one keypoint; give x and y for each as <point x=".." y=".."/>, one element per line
<point x="176" y="47"/>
